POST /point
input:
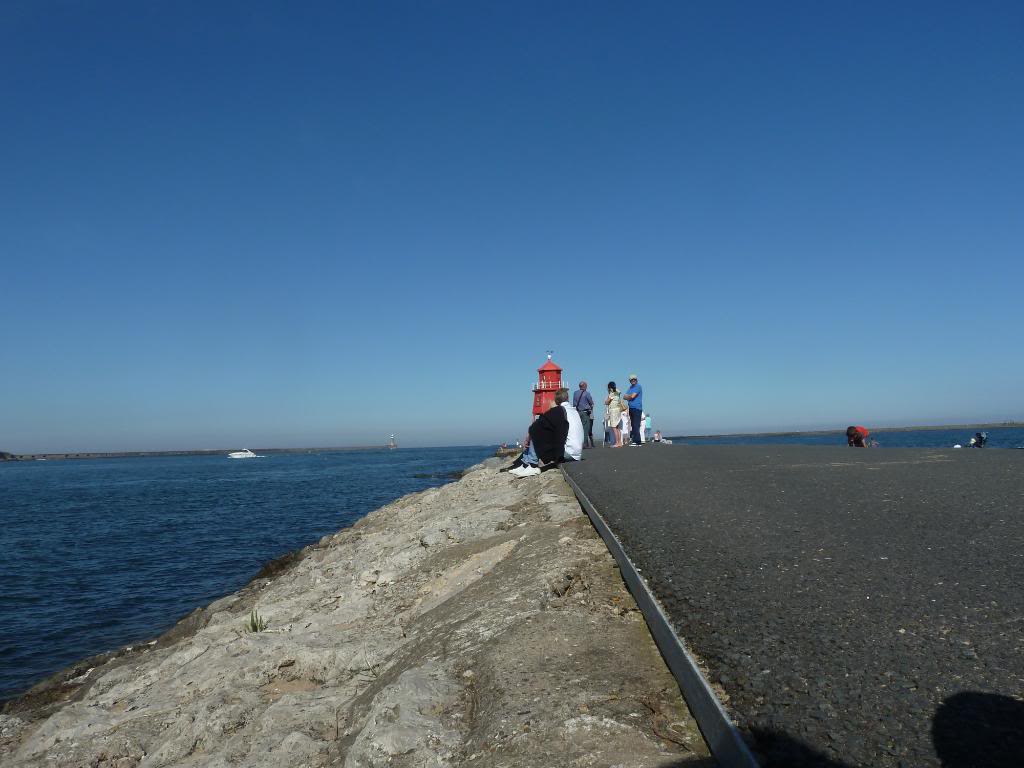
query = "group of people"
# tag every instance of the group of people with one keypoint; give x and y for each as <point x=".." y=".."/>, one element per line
<point x="857" y="437"/>
<point x="563" y="431"/>
<point x="625" y="417"/>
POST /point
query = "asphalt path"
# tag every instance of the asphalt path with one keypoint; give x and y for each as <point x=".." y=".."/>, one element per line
<point x="857" y="606"/>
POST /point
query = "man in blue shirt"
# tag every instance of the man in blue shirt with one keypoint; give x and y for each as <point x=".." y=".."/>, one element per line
<point x="583" y="402"/>
<point x="634" y="397"/>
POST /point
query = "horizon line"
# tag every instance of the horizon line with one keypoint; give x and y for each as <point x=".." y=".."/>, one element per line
<point x="375" y="446"/>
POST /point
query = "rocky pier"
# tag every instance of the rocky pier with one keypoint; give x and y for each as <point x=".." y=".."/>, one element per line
<point x="482" y="623"/>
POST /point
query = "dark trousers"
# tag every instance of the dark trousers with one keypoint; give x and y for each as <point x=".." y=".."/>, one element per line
<point x="588" y="425"/>
<point x="635" y="425"/>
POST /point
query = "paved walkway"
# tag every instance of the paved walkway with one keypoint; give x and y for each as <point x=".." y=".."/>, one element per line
<point x="858" y="607"/>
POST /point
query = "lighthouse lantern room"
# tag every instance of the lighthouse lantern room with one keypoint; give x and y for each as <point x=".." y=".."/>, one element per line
<point x="549" y="379"/>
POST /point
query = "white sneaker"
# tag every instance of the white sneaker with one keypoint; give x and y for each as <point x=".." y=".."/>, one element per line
<point x="518" y="471"/>
<point x="525" y="472"/>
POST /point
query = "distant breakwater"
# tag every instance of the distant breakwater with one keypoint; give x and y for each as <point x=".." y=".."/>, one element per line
<point x="874" y="430"/>
<point x="5" y="456"/>
<point x="999" y="437"/>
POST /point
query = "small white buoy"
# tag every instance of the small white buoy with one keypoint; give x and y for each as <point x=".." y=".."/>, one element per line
<point x="958" y="446"/>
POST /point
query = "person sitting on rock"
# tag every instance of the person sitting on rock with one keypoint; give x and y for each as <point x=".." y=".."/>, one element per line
<point x="555" y="436"/>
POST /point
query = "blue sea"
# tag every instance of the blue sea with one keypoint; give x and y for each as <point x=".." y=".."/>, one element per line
<point x="998" y="437"/>
<point x="96" y="554"/>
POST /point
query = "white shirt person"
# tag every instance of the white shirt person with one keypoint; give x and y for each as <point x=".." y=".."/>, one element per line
<point x="574" y="440"/>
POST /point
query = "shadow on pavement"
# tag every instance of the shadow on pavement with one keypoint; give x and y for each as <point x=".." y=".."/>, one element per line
<point x="979" y="729"/>
<point x="780" y="750"/>
<point x="969" y="730"/>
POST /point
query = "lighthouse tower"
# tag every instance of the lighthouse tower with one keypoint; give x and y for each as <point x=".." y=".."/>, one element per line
<point x="549" y="378"/>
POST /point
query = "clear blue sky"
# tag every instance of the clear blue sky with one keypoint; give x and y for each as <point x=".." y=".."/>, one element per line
<point x="255" y="224"/>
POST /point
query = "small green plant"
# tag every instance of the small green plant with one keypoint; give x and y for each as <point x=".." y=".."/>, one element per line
<point x="256" y="622"/>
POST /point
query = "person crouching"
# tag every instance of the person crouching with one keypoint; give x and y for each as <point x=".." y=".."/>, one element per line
<point x="556" y="435"/>
<point x="856" y="437"/>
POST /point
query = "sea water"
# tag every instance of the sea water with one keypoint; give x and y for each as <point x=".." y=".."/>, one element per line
<point x="100" y="553"/>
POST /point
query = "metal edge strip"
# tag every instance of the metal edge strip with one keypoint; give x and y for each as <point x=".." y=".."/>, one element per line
<point x="722" y="736"/>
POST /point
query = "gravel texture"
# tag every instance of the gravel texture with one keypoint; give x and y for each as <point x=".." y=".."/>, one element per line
<point x="857" y="607"/>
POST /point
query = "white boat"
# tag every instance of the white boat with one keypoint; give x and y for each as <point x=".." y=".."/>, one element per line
<point x="246" y="454"/>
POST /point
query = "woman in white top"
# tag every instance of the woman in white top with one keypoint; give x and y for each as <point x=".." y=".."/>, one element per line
<point x="615" y="408"/>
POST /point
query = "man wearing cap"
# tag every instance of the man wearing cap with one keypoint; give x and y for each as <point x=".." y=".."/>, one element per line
<point x="634" y="397"/>
<point x="583" y="402"/>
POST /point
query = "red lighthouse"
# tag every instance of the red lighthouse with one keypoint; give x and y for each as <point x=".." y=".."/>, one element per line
<point x="548" y="380"/>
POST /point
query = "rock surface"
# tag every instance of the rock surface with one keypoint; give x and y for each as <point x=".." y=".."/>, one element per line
<point x="482" y="623"/>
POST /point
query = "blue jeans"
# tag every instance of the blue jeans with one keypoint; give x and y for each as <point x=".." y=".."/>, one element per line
<point x="530" y="456"/>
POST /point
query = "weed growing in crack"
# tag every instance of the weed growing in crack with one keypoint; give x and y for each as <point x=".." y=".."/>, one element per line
<point x="256" y="622"/>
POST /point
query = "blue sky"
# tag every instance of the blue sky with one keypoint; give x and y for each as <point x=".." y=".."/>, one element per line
<point x="258" y="224"/>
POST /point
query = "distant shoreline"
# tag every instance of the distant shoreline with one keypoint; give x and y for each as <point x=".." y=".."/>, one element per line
<point x="874" y="430"/>
<point x="204" y="452"/>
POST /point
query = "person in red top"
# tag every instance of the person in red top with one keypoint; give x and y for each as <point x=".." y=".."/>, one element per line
<point x="856" y="437"/>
